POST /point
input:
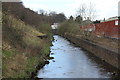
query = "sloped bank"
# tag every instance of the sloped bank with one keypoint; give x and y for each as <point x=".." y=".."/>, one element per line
<point x="22" y="50"/>
<point x="104" y="54"/>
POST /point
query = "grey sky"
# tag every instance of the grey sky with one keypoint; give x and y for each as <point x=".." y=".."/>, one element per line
<point x="104" y="8"/>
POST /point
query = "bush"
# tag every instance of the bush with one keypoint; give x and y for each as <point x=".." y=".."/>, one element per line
<point x="68" y="27"/>
<point x="25" y="50"/>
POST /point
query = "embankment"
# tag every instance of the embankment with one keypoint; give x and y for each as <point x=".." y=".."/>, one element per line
<point x="22" y="50"/>
<point x="104" y="54"/>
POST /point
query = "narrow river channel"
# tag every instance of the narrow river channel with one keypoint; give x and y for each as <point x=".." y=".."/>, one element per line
<point x="71" y="62"/>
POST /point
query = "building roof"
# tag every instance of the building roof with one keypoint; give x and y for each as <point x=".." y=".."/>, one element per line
<point x="112" y="18"/>
<point x="10" y="0"/>
<point x="55" y="25"/>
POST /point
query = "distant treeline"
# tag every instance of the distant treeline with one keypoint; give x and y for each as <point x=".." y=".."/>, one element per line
<point x="23" y="51"/>
<point x="30" y="17"/>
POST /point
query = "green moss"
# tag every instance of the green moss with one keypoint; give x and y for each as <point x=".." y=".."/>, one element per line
<point x="7" y="53"/>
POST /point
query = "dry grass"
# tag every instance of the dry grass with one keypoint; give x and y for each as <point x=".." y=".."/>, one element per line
<point x="19" y="60"/>
<point x="14" y="66"/>
<point x="102" y="41"/>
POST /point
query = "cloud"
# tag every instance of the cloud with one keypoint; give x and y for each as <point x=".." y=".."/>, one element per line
<point x="36" y="6"/>
<point x="104" y="8"/>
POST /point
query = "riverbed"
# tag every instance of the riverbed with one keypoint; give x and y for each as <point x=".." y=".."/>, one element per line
<point x="71" y="62"/>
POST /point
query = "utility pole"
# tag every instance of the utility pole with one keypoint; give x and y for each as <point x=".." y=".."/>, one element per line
<point x="119" y="20"/>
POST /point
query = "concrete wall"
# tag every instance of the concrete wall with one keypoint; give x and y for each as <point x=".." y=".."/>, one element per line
<point x="108" y="56"/>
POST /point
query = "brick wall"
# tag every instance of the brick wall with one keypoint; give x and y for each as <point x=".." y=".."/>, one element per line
<point x="108" y="29"/>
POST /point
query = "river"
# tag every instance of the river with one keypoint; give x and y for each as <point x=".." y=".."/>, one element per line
<point x="71" y="62"/>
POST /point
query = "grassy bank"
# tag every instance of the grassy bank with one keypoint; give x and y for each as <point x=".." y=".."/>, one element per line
<point x="22" y="49"/>
<point x="73" y="29"/>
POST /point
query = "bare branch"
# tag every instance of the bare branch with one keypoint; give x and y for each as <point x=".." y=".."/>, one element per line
<point x="87" y="11"/>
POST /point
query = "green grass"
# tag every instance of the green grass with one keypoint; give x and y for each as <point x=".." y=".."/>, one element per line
<point x="31" y="63"/>
<point x="46" y="49"/>
<point x="26" y="49"/>
<point x="7" y="53"/>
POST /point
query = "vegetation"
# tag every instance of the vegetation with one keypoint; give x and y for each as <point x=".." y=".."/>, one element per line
<point x="68" y="27"/>
<point x="22" y="49"/>
<point x="85" y="16"/>
<point x="87" y="11"/>
<point x="71" y="27"/>
<point x="30" y="17"/>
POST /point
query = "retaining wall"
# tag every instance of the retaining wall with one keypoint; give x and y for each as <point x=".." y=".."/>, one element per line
<point x="108" y="56"/>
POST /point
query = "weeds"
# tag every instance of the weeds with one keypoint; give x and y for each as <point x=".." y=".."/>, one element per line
<point x="68" y="27"/>
<point x="22" y="49"/>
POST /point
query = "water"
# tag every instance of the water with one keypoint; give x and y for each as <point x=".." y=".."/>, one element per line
<point x="71" y="62"/>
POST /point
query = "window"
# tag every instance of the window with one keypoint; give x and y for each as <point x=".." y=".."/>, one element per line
<point x="116" y="23"/>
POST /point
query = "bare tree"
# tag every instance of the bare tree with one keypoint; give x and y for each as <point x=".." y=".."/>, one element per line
<point x="43" y="12"/>
<point x="87" y="11"/>
<point x="91" y="11"/>
<point x="82" y="11"/>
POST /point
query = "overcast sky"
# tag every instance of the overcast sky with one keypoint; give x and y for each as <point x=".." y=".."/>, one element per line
<point x="104" y="8"/>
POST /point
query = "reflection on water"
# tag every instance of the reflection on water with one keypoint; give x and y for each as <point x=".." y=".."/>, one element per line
<point x="71" y="62"/>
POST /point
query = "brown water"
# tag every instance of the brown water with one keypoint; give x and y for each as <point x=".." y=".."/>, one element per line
<point x="71" y="62"/>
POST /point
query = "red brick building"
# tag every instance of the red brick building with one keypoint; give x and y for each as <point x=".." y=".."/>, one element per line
<point x="109" y="28"/>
